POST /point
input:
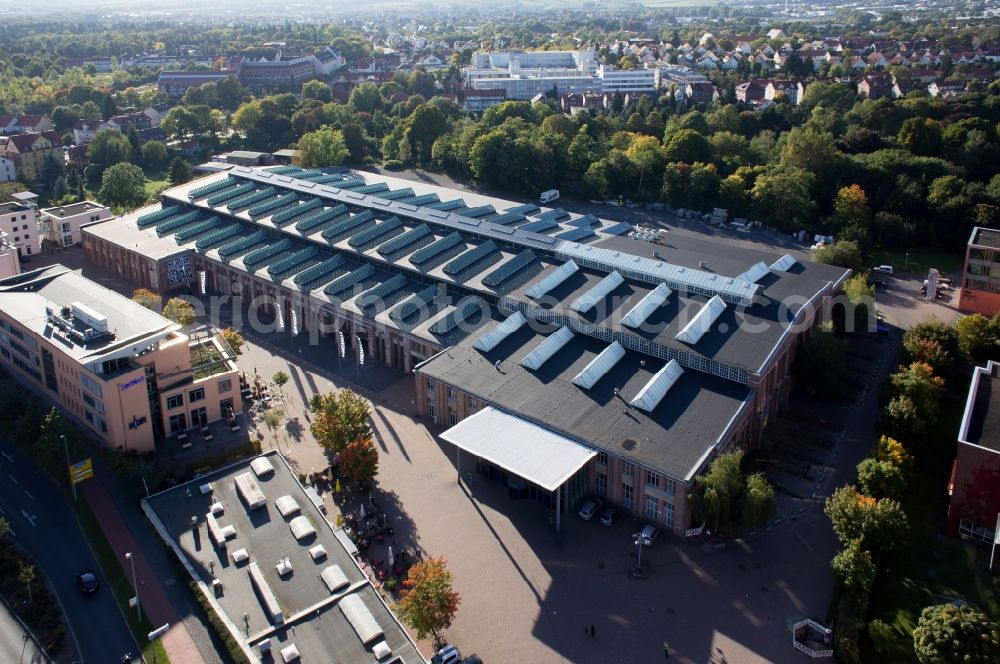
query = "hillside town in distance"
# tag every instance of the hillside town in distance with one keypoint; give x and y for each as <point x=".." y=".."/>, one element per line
<point x="537" y="333"/>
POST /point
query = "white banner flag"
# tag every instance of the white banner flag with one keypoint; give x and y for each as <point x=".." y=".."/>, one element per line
<point x="343" y="346"/>
<point x="203" y="279"/>
<point x="295" y="322"/>
<point x="361" y="353"/>
<point x="280" y="320"/>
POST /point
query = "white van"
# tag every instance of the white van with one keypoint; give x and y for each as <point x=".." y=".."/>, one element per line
<point x="883" y="269"/>
<point x="548" y="196"/>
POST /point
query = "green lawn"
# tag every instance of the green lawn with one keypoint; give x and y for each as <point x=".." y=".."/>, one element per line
<point x="156" y="181"/>
<point x="117" y="582"/>
<point x="919" y="261"/>
<point x="931" y="567"/>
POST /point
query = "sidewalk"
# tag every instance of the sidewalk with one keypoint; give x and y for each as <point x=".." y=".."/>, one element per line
<point x="178" y="643"/>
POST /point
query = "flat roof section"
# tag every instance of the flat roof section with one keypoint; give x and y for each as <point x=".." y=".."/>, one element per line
<point x="312" y="619"/>
<point x="986" y="237"/>
<point x="524" y="448"/>
<point x="674" y="438"/>
<point x="26" y="296"/>
<point x="981" y="423"/>
<point x="124" y="232"/>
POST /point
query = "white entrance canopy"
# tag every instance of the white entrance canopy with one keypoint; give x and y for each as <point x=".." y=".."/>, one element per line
<point x="528" y="450"/>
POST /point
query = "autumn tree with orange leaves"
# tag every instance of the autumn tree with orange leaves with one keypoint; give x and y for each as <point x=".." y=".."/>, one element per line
<point x="429" y="604"/>
<point x="359" y="460"/>
<point x="340" y="418"/>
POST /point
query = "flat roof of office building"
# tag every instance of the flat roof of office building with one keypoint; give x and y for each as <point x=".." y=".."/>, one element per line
<point x="312" y="620"/>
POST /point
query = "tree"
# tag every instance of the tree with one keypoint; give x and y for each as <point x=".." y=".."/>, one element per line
<point x="783" y="197"/>
<point x="365" y="98"/>
<point x="323" y="147"/>
<point x="881" y="479"/>
<point x="154" y="154"/>
<point x="933" y="343"/>
<point x="233" y="338"/>
<point x="317" y="90"/>
<point x="918" y="382"/>
<point x="123" y="186"/>
<point x="978" y="337"/>
<point x="890" y="449"/>
<point x="26" y="575"/>
<point x="718" y="494"/>
<point x="821" y="365"/>
<point x="109" y="147"/>
<point x="948" y="633"/>
<point x="280" y="378"/>
<point x="340" y="418"/>
<point x="429" y="604"/>
<point x="878" y="524"/>
<point x="147" y="298"/>
<point x="759" y="503"/>
<point x="179" y="311"/>
<point x="922" y="136"/>
<point x="901" y="419"/>
<point x="687" y="145"/>
<point x="180" y="171"/>
<point x="842" y="254"/>
<point x="272" y="418"/>
<point x="853" y="567"/>
<point x="359" y="460"/>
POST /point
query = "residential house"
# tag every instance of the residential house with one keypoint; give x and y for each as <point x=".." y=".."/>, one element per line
<point x="155" y="113"/>
<point x="8" y="171"/>
<point x="700" y="93"/>
<point x="875" y="86"/>
<point x="940" y="88"/>
<point x="29" y="152"/>
<point x="749" y="92"/>
<point x="84" y="131"/>
<point x="775" y="89"/>
<point x="24" y="124"/>
<point x="123" y="122"/>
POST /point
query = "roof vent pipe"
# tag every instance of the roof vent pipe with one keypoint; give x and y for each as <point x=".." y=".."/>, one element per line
<point x="702" y="265"/>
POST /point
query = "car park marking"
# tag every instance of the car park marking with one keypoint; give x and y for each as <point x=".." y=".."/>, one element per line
<point x="30" y="517"/>
<point x="9" y="457"/>
<point x="12" y="478"/>
<point x="29" y="494"/>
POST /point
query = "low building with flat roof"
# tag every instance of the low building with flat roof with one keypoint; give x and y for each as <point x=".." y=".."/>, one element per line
<point x="275" y="571"/>
<point x="126" y="373"/>
<point x="692" y="340"/>
<point x="61" y="225"/>
<point x="981" y="277"/>
<point x="974" y="506"/>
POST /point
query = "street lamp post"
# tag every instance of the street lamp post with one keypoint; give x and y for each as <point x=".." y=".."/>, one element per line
<point x="639" y="542"/>
<point x="72" y="484"/>
<point x="135" y="583"/>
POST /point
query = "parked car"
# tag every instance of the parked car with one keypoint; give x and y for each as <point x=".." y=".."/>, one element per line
<point x="878" y="283"/>
<point x="589" y="508"/>
<point x="883" y="269"/>
<point x="608" y="515"/>
<point x="472" y="659"/>
<point x="86" y="579"/>
<point x="648" y="534"/>
<point x="447" y="655"/>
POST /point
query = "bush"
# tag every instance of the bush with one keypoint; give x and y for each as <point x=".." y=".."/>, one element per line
<point x="881" y="635"/>
<point x="393" y="165"/>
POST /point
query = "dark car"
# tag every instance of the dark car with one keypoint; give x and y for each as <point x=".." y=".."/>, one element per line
<point x="87" y="580"/>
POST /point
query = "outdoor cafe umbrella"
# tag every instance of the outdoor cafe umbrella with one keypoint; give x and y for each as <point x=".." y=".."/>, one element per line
<point x="336" y="487"/>
<point x="362" y="512"/>
<point x="392" y="560"/>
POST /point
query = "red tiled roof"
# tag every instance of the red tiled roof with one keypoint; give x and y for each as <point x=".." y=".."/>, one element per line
<point x="25" y="142"/>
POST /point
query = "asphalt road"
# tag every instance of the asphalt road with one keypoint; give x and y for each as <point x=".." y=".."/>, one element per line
<point x="43" y="523"/>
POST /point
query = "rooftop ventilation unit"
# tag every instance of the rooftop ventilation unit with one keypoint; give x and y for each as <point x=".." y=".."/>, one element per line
<point x="509" y="326"/>
<point x="554" y="278"/>
<point x="652" y="393"/>
<point x="79" y="322"/>
<point x="702" y="321"/>
<point x="638" y="314"/>
<point x="588" y="300"/>
<point x="543" y="351"/>
<point x="599" y="366"/>
<point x="784" y="264"/>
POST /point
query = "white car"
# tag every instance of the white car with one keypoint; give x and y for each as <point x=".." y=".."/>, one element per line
<point x="883" y="269"/>
<point x="446" y="655"/>
<point x="589" y="508"/>
<point x="647" y="535"/>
